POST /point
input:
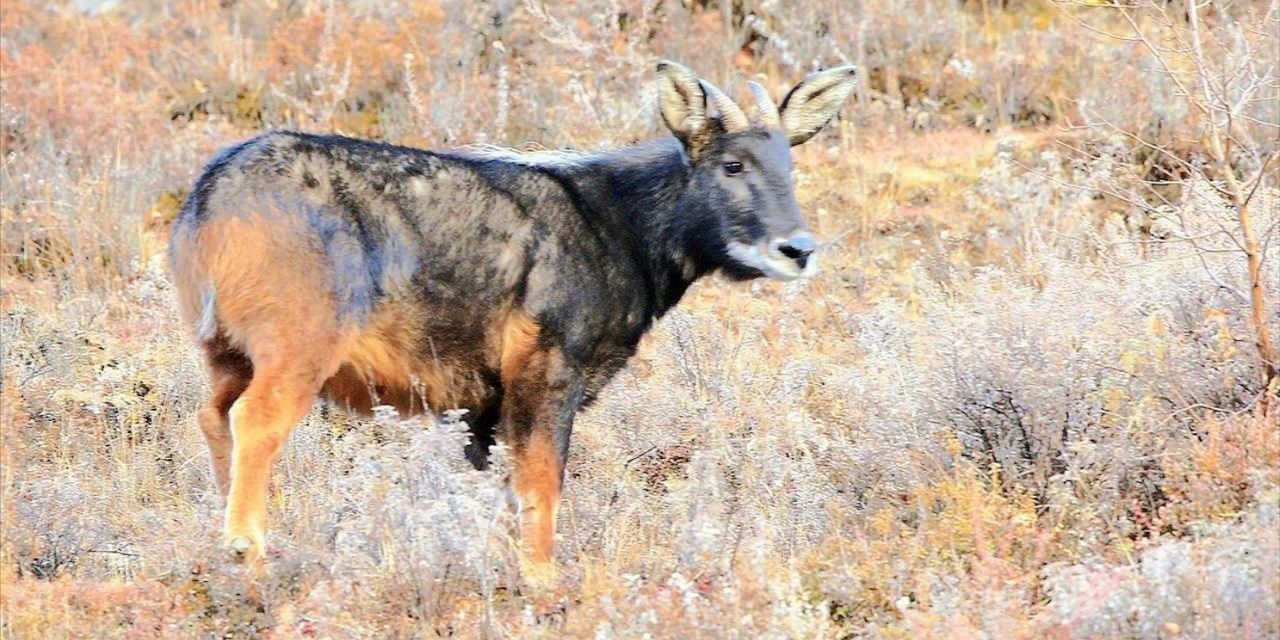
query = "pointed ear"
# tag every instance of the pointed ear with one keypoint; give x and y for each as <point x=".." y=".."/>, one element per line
<point x="682" y="102"/>
<point x="813" y="102"/>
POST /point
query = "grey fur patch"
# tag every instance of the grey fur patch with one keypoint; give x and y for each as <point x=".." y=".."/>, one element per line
<point x="207" y="327"/>
<point x="540" y="158"/>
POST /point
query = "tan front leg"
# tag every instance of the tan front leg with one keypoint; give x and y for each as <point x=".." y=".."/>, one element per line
<point x="542" y="395"/>
<point x="537" y="477"/>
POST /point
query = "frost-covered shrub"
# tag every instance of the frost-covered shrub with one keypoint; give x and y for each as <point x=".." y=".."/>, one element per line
<point x="1070" y="379"/>
<point x="1032" y="207"/>
<point x="409" y="505"/>
<point x="59" y="534"/>
<point x="1222" y="582"/>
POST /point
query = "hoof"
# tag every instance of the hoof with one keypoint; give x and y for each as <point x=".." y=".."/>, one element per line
<point x="241" y="549"/>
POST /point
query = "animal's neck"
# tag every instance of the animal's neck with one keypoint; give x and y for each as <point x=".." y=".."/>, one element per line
<point x="648" y="189"/>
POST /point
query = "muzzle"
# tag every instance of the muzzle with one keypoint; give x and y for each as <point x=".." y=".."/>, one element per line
<point x="785" y="258"/>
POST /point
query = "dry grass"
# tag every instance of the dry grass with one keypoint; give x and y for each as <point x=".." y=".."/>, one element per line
<point x="1007" y="407"/>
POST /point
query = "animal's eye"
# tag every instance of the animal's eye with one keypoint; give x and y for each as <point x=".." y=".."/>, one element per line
<point x="733" y="168"/>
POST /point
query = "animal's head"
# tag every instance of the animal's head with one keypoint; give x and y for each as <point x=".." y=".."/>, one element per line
<point x="742" y="166"/>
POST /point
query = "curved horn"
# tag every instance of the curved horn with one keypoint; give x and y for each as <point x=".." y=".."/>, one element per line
<point x="731" y="115"/>
<point x="766" y="109"/>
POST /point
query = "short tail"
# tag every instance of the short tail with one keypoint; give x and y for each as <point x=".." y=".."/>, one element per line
<point x="197" y="297"/>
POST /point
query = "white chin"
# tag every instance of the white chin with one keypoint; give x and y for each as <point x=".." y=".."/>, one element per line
<point x="776" y="267"/>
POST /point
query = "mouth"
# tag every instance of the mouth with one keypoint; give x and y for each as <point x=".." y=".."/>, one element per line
<point x="768" y="261"/>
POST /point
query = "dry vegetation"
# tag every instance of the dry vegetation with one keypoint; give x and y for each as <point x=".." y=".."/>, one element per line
<point x="1024" y="398"/>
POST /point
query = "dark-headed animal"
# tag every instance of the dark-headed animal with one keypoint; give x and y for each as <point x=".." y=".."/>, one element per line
<point x="513" y="286"/>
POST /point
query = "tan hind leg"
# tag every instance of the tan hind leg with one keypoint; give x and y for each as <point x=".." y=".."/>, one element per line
<point x="273" y="299"/>
<point x="284" y="386"/>
<point x="229" y="375"/>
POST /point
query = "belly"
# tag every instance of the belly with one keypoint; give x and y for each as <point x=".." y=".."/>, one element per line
<point x="396" y="361"/>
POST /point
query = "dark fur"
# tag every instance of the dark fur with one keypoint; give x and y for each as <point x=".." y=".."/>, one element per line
<point x="613" y="241"/>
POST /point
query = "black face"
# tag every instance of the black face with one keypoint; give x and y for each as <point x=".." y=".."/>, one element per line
<point x="745" y="178"/>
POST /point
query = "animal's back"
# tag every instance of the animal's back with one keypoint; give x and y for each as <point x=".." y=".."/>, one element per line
<point x="404" y="260"/>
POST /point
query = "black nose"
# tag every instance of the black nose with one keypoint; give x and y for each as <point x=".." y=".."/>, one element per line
<point x="798" y="247"/>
